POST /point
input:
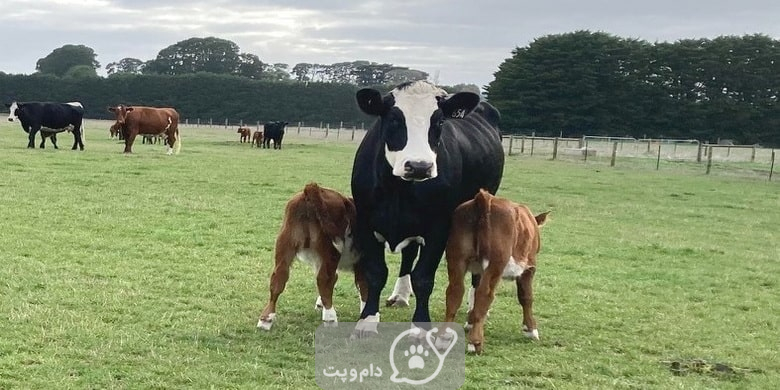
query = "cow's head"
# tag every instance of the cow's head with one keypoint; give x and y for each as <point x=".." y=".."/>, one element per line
<point x="12" y="108"/>
<point x="121" y="113"/>
<point x="411" y="118"/>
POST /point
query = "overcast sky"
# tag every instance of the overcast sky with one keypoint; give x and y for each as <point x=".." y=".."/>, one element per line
<point x="460" y="41"/>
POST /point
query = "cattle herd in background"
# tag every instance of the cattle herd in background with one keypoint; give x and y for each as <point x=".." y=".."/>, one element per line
<point x="272" y="132"/>
<point x="153" y="124"/>
<point x="423" y="184"/>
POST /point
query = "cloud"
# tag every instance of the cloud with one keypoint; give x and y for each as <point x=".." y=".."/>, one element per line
<point x="464" y="41"/>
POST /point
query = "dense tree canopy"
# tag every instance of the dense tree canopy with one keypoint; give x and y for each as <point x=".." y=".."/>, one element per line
<point x="125" y="65"/>
<point x="585" y="83"/>
<point x="59" y="61"/>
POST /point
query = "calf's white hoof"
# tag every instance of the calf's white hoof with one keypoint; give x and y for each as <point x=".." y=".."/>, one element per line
<point x="532" y="334"/>
<point x="267" y="323"/>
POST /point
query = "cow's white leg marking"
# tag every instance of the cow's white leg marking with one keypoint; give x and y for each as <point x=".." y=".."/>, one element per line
<point x="329" y="317"/>
<point x="365" y="327"/>
<point x="362" y="305"/>
<point x="401" y="292"/>
<point x="318" y="304"/>
<point x="267" y="324"/>
<point x="532" y="334"/>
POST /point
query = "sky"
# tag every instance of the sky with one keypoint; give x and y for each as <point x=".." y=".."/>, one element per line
<point x="455" y="41"/>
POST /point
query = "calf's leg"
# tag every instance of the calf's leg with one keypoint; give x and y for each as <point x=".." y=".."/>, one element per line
<point x="525" y="295"/>
<point x="285" y="253"/>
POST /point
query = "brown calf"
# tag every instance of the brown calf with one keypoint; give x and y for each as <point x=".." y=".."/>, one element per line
<point x="257" y="138"/>
<point x="135" y="120"/>
<point x="246" y="134"/>
<point x="316" y="229"/>
<point x="496" y="238"/>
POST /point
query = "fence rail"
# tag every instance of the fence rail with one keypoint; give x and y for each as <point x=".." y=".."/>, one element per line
<point x="614" y="150"/>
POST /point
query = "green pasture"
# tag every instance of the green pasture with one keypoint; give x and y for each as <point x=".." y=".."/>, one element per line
<point x="149" y="271"/>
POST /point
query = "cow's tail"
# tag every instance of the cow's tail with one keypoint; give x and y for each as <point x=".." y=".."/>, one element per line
<point x="312" y="194"/>
<point x="177" y="143"/>
<point x="483" y="201"/>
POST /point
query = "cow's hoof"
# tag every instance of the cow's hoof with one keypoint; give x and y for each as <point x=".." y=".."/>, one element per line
<point x="365" y="328"/>
<point x="318" y="304"/>
<point x="532" y="334"/>
<point x="397" y="301"/>
<point x="267" y="322"/>
<point x="474" y="348"/>
<point x="443" y="341"/>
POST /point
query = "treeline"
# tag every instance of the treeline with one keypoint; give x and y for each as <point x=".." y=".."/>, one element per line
<point x="585" y="83"/>
<point x="199" y="95"/>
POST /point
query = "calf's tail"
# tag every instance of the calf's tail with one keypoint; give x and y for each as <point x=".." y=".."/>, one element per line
<point x="483" y="201"/>
<point x="312" y="194"/>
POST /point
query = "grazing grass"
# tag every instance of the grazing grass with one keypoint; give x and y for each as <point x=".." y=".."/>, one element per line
<point x="149" y="271"/>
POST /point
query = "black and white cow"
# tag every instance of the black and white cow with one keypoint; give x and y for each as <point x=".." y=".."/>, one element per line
<point x="49" y="118"/>
<point x="273" y="131"/>
<point x="427" y="153"/>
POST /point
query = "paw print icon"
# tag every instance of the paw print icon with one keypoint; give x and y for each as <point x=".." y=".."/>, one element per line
<point x="416" y="354"/>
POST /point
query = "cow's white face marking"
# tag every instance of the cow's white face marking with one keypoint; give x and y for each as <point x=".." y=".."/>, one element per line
<point x="417" y="103"/>
<point x="12" y="114"/>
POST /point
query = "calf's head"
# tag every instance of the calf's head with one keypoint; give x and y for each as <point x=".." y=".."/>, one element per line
<point x="121" y="113"/>
<point x="411" y="118"/>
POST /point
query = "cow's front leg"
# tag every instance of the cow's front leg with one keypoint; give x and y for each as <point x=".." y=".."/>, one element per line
<point x="31" y="138"/>
<point x="425" y="271"/>
<point x="53" y="139"/>
<point x="372" y="261"/>
<point x="77" y="139"/>
<point x="129" y="141"/>
<point x="403" y="285"/>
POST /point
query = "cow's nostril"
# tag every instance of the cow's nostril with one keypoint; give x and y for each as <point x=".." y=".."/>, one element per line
<point x="418" y="169"/>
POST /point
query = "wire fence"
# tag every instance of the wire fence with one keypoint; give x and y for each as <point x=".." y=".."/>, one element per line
<point x="656" y="153"/>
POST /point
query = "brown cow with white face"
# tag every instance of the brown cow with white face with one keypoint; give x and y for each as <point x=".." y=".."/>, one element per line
<point x="135" y="120"/>
<point x="498" y="239"/>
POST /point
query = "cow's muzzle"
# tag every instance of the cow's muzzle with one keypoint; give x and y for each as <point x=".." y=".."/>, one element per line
<point x="10" y="119"/>
<point x="418" y="170"/>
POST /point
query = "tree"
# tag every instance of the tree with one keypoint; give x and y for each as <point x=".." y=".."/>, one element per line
<point x="276" y="72"/>
<point x="59" y="61"/>
<point x="250" y="66"/>
<point x="125" y="65"/>
<point x="212" y="55"/>
<point x="80" y="72"/>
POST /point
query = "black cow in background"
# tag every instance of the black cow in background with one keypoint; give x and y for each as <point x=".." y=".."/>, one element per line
<point x="49" y="118"/>
<point x="273" y="131"/>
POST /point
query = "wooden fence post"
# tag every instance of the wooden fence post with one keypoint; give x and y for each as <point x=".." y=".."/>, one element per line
<point x="658" y="159"/>
<point x="353" y="133"/>
<point x="327" y="129"/>
<point x="299" y="127"/>
<point x="772" y="166"/>
<point x="709" y="159"/>
<point x="522" y="144"/>
<point x="753" y="154"/>
<point x="586" y="150"/>
<point x="511" y="141"/>
<point x="555" y="148"/>
<point x="532" y="145"/>
<point x="614" y="152"/>
<point x="698" y="153"/>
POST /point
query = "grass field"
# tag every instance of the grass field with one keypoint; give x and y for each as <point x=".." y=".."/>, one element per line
<point x="149" y="271"/>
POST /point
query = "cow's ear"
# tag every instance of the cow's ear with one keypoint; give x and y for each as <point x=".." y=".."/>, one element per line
<point x="458" y="105"/>
<point x="112" y="109"/>
<point x="370" y="101"/>
<point x="128" y="109"/>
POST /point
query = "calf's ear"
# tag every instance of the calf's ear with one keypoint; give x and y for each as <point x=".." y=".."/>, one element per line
<point x="458" y="105"/>
<point x="128" y="109"/>
<point x="112" y="109"/>
<point x="370" y="101"/>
